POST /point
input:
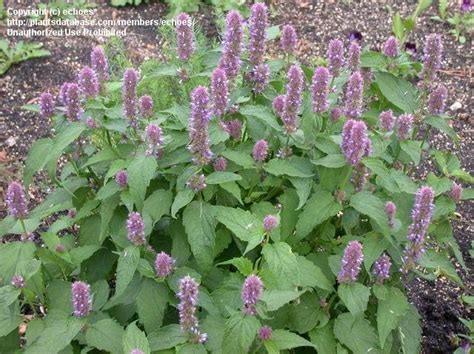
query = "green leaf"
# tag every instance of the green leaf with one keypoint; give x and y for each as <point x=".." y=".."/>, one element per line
<point x="234" y="189"/>
<point x="355" y="296"/>
<point x="151" y="304"/>
<point x="198" y="221"/>
<point x="240" y="158"/>
<point x="244" y="265"/>
<point x="397" y="26"/>
<point x="295" y="166"/>
<point x="288" y="340"/>
<point x="8" y="295"/>
<point x="347" y="328"/>
<point x="320" y="207"/>
<point x="262" y="113"/>
<point x="167" y="337"/>
<point x="410" y="331"/>
<point x="239" y="333"/>
<point x="182" y="199"/>
<point x="331" y="161"/>
<point x="412" y="149"/>
<point x="275" y="299"/>
<point x="371" y="59"/>
<point x="140" y="172"/>
<point x="303" y="189"/>
<point x="126" y="266"/>
<point x="399" y="92"/>
<point x="441" y="124"/>
<point x="311" y="275"/>
<point x="14" y="256"/>
<point x="368" y="204"/>
<point x="10" y="318"/>
<point x="222" y="177"/>
<point x="105" y="335"/>
<point x="158" y="204"/>
<point x="135" y="339"/>
<point x="283" y="263"/>
<point x="36" y="159"/>
<point x="389" y="312"/>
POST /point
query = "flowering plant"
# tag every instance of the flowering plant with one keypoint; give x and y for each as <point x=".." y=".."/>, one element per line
<point x="229" y="202"/>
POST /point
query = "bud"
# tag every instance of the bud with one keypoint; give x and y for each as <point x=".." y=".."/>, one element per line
<point x="350" y="263"/>
<point x="279" y="105"/>
<point x="251" y="293"/>
<point x="122" y="179"/>
<point x="387" y="121"/>
<point x="88" y="82"/>
<point x="220" y="164"/>
<point x="381" y="268"/>
<point x="355" y="142"/>
<point x="260" y="150"/>
<point x="288" y="39"/>
<point x="391" y="47"/>
<point x="198" y="126"/>
<point x="73" y="103"/>
<point x="456" y="192"/>
<point x="18" y="281"/>
<point x="136" y="229"/>
<point x="99" y="63"/>
<point x="335" y="56"/>
<point x="405" y="122"/>
<point x="164" y="264"/>
<point x="437" y="100"/>
<point x="16" y="201"/>
<point x="46" y="105"/>
<point x="155" y="140"/>
<point x="320" y="90"/>
<point x="81" y="299"/>
<point x="146" y="106"/>
<point x="258" y="27"/>
<point x="265" y="333"/>
<point x="90" y="122"/>
<point x="197" y="183"/>
<point x="270" y="223"/>
<point x="390" y="210"/>
<point x="184" y="37"/>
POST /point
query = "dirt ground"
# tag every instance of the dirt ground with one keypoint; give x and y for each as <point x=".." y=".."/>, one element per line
<point x="316" y="22"/>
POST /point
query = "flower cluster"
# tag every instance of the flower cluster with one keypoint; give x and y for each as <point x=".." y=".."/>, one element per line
<point x="320" y="90"/>
<point x="391" y="47"/>
<point x="233" y="127"/>
<point x="184" y="36"/>
<point x="260" y="75"/>
<point x="219" y="92"/>
<point x="260" y="150"/>
<point x="129" y="94"/>
<point x="188" y="296"/>
<point x="258" y="27"/>
<point x="293" y="98"/>
<point x="155" y="140"/>
<point x="354" y="96"/>
<point x="251" y="293"/>
<point x="122" y="179"/>
<point x="18" y="281"/>
<point x="456" y="192"/>
<point x="146" y="106"/>
<point x="88" y="82"/>
<point x="220" y="164"/>
<point x="233" y="39"/>
<point x="72" y="98"/>
<point x="335" y="56"/>
<point x="288" y="39"/>
<point x="164" y="264"/>
<point x="197" y="183"/>
<point x="433" y="52"/>
<point x="350" y="263"/>
<point x="99" y="63"/>
<point x="391" y="211"/>
<point x="381" y="268"/>
<point x="353" y="57"/>
<point x="355" y="141"/>
<point x="16" y="201"/>
<point x="46" y="105"/>
<point x="198" y="126"/>
<point x="437" y="100"/>
<point x="136" y="229"/>
<point x="387" y="120"/>
<point x="81" y="299"/>
<point x="404" y="122"/>
<point x="270" y="223"/>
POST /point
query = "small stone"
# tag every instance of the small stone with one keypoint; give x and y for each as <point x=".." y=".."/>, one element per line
<point x="11" y="141"/>
<point x="455" y="106"/>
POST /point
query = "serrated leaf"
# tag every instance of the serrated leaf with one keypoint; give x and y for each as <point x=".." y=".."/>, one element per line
<point x="240" y="158"/>
<point x="262" y="113"/>
<point x="222" y="177"/>
<point x="36" y="159"/>
<point x="368" y="204"/>
<point x="140" y="172"/>
<point x="355" y="296"/>
<point x="410" y="331"/>
<point x="126" y="266"/>
<point x="287" y="340"/>
<point x="244" y="265"/>
<point x="331" y="161"/>
<point x="295" y="166"/>
<point x="135" y="339"/>
<point x="158" y="204"/>
<point x="347" y="328"/>
<point x="239" y="333"/>
<point x="303" y="189"/>
<point x="441" y="124"/>
<point x="311" y="275"/>
<point x="167" y="337"/>
<point x="14" y="256"/>
<point x="275" y="299"/>
<point x="283" y="263"/>
<point x="182" y="199"/>
<point x="105" y="335"/>
<point x="151" y="304"/>
<point x="398" y="91"/>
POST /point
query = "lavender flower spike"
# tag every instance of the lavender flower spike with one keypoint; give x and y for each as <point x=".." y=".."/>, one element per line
<point x="219" y="92"/>
<point x="293" y="98"/>
<point x="456" y="192"/>
<point x="335" y="114"/>
<point x="73" y="109"/>
<point x="155" y="140"/>
<point x="220" y="164"/>
<point x="81" y="299"/>
<point x="354" y="96"/>
<point x="260" y="75"/>
<point x="129" y="93"/>
<point x="99" y="63"/>
<point x="46" y="105"/>
<point x="405" y="122"/>
<point x="63" y="93"/>
<point x="233" y="39"/>
<point x="421" y="218"/>
<point x="265" y="333"/>
<point x="88" y="82"/>
<point x="288" y="39"/>
<point x="335" y="56"/>
<point x="197" y="183"/>
<point x="184" y="37"/>
<point x="353" y="59"/>
<point x="437" y="100"/>
<point x="260" y="150"/>
<point x="258" y="28"/>
<point x="136" y="229"/>
<point x="390" y="210"/>
<point x="355" y="142"/>
<point x="387" y="121"/>
<point x="270" y="223"/>
<point x="234" y="128"/>
<point x="391" y="47"/>
<point x="146" y="106"/>
<point x="251" y="293"/>
<point x="278" y="105"/>
<point x="433" y="52"/>
<point x="16" y="201"/>
<point x="122" y="179"/>
<point x="320" y="90"/>
<point x="381" y="268"/>
<point x="188" y="296"/>
<point x="198" y="126"/>
<point x="350" y="263"/>
<point x="164" y="264"/>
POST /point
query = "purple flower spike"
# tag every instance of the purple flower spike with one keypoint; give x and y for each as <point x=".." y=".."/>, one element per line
<point x="421" y="218"/>
<point x="293" y="98"/>
<point x="220" y="164"/>
<point x="387" y="121"/>
<point x="335" y="56"/>
<point x="73" y="109"/>
<point x="437" y="100"/>
<point x="320" y="90"/>
<point x="350" y="263"/>
<point x="234" y="128"/>
<point x="360" y="174"/>
<point x="164" y="264"/>
<point x="391" y="211"/>
<point x="129" y="93"/>
<point x="81" y="299"/>
<point x="260" y="75"/>
<point x="184" y="36"/>
<point x="251" y="293"/>
<point x="265" y="333"/>
<point x="456" y="192"/>
<point x="391" y="47"/>
<point x="197" y="183"/>
<point x="355" y="142"/>
<point x="188" y="295"/>
<point x="405" y="122"/>
<point x="279" y="105"/>
<point x="198" y="126"/>
<point x="335" y="114"/>
<point x="99" y="63"/>
<point x="233" y="39"/>
<point x="381" y="268"/>
<point x="432" y="54"/>
<point x="288" y="39"/>
<point x="354" y="96"/>
<point x="219" y="92"/>
<point x="465" y="7"/>
<point x="146" y="106"/>
<point x="18" y="281"/>
<point x="46" y="105"/>
<point x="122" y="179"/>
<point x="353" y="59"/>
<point x="88" y="82"/>
<point x="16" y="201"/>
<point x="136" y="229"/>
<point x="260" y="150"/>
<point x="258" y="28"/>
<point x="270" y="223"/>
<point x="63" y="93"/>
<point x="91" y="123"/>
<point x="154" y="136"/>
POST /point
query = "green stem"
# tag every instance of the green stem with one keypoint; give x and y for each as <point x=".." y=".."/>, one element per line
<point x="22" y="222"/>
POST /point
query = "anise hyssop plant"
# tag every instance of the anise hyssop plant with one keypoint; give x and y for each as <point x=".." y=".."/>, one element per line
<point x="224" y="201"/>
